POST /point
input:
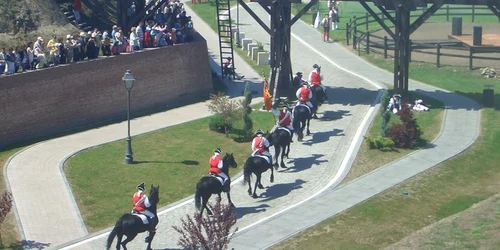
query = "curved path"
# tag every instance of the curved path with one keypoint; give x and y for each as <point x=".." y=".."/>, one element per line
<point x="313" y="171"/>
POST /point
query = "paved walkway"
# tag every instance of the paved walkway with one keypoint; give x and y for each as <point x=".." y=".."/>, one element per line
<point x="317" y="166"/>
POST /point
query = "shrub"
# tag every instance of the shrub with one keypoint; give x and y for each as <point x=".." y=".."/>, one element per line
<point x="5" y="207"/>
<point x="247" y="121"/>
<point x="380" y="143"/>
<point x="226" y="109"/>
<point x="407" y="134"/>
<point x="218" y="124"/>
<point x="208" y="232"/>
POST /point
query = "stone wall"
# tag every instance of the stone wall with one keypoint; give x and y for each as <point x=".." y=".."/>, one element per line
<point x="78" y="96"/>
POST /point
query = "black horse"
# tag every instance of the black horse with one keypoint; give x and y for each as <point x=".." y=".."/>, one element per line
<point x="280" y="139"/>
<point x="301" y="118"/>
<point x="209" y="185"/>
<point x="318" y="99"/>
<point x="256" y="165"/>
<point x="130" y="225"/>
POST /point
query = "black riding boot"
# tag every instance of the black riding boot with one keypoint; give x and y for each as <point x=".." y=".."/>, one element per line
<point x="225" y="188"/>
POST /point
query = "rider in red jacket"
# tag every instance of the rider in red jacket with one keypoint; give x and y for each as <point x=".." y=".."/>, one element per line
<point x="216" y="165"/>
<point x="315" y="78"/>
<point x="141" y="202"/>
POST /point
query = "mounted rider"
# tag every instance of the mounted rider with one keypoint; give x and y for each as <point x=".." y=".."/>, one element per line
<point x="284" y="119"/>
<point x="304" y="95"/>
<point x="260" y="146"/>
<point x="216" y="165"/>
<point x="315" y="78"/>
<point x="141" y="202"/>
<point x="297" y="80"/>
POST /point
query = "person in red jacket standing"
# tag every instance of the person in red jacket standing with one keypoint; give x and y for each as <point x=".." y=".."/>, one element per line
<point x="216" y="165"/>
<point x="141" y="201"/>
<point x="315" y="78"/>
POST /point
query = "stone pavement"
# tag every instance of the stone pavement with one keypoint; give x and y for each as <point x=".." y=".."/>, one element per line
<point x="315" y="169"/>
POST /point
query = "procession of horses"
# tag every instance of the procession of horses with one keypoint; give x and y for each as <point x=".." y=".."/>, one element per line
<point x="280" y="137"/>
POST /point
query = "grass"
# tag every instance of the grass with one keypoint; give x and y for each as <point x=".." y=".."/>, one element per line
<point x="9" y="232"/>
<point x="103" y="184"/>
<point x="370" y="159"/>
<point x="207" y="12"/>
<point x="445" y="190"/>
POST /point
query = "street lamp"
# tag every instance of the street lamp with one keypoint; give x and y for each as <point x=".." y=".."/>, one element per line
<point x="128" y="80"/>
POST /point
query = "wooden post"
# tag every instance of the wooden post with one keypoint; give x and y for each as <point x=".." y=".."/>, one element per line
<point x="354" y="30"/>
<point x="366" y="21"/>
<point x="347" y="32"/>
<point x="471" y="54"/>
<point x="409" y="53"/>
<point x="438" y="52"/>
<point x="368" y="42"/>
<point x="473" y="12"/>
<point x="447" y="13"/>
<point x="385" y="47"/>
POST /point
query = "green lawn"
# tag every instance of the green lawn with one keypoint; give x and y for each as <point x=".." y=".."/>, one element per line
<point x="447" y="189"/>
<point x="175" y="158"/>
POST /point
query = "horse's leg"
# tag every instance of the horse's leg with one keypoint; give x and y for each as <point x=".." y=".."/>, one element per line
<point x="283" y="156"/>
<point x="119" y="240"/>
<point x="150" y="238"/>
<point x="219" y="198"/>
<point x="204" y="204"/>
<point x="229" y="198"/>
<point x="308" y="131"/>
<point x="257" y="183"/>
<point x="287" y="150"/>
<point x="271" y="179"/>
<point x="249" y="186"/>
<point x="276" y="154"/>
<point x="128" y="239"/>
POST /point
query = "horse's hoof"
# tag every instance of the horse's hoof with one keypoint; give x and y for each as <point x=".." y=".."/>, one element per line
<point x="283" y="166"/>
<point x="254" y="196"/>
<point x="260" y="186"/>
<point x="232" y="205"/>
<point x="249" y="192"/>
<point x="272" y="179"/>
<point x="146" y="239"/>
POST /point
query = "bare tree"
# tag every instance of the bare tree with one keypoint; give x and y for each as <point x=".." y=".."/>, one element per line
<point x="208" y="232"/>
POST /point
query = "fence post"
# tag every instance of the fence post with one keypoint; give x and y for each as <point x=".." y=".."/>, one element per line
<point x="385" y="47"/>
<point x="366" y="21"/>
<point x="409" y="55"/>
<point x="438" y="51"/>
<point x="470" y="58"/>
<point x="347" y="32"/>
<point x="447" y="13"/>
<point x="383" y="17"/>
<point x="354" y="30"/>
<point x="368" y="42"/>
<point x="473" y="12"/>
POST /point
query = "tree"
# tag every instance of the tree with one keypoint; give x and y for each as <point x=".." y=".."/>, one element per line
<point x="247" y="121"/>
<point x="407" y="134"/>
<point x="5" y="207"/>
<point x="208" y="232"/>
<point x="225" y="109"/>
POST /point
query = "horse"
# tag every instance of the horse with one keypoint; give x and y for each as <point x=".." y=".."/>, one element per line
<point x="130" y="225"/>
<point x="256" y="165"/>
<point x="318" y="99"/>
<point x="301" y="118"/>
<point x="280" y="139"/>
<point x="209" y="185"/>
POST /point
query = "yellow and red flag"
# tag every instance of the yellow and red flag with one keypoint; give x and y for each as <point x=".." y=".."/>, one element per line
<point x="268" y="103"/>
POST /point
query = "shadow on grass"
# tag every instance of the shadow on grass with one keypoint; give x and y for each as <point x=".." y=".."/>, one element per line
<point x="185" y="162"/>
<point x="279" y="190"/>
<point x="320" y="137"/>
<point x="301" y="164"/>
<point x="241" y="211"/>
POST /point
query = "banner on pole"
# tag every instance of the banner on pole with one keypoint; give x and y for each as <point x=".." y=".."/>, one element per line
<point x="317" y="21"/>
<point x="268" y="103"/>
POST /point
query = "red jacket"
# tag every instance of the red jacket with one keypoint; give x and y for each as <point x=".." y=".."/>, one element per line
<point x="287" y="121"/>
<point x="139" y="202"/>
<point x="214" y="164"/>
<point x="316" y="78"/>
<point x="304" y="94"/>
<point x="77" y="5"/>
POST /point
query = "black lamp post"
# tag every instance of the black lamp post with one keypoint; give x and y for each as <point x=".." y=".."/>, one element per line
<point x="128" y="80"/>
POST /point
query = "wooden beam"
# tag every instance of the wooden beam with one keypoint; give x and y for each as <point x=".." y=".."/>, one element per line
<point x="387" y="14"/>
<point x="265" y="7"/>
<point x="494" y="8"/>
<point x="379" y="21"/>
<point x="303" y="11"/>
<point x="421" y="19"/>
<point x="142" y="15"/>
<point x="255" y="17"/>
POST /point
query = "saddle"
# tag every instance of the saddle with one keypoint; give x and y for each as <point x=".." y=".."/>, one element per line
<point x="145" y="219"/>
<point x="286" y="129"/>
<point x="216" y="176"/>
<point x="305" y="105"/>
<point x="265" y="157"/>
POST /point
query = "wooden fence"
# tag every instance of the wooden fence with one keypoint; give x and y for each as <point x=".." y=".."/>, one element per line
<point x="363" y="40"/>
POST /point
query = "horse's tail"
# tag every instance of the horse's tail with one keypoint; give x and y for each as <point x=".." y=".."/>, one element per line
<point x="112" y="235"/>
<point x="197" y="198"/>
<point x="247" y="172"/>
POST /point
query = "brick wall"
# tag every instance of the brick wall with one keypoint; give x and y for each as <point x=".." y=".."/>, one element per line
<point x="78" y="96"/>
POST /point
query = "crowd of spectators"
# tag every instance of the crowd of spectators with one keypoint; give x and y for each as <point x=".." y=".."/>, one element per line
<point x="170" y="25"/>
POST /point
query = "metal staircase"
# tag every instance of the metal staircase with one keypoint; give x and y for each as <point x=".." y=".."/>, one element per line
<point x="224" y="23"/>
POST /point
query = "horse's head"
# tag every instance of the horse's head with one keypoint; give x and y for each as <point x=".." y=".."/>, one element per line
<point x="154" y="194"/>
<point x="229" y="161"/>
